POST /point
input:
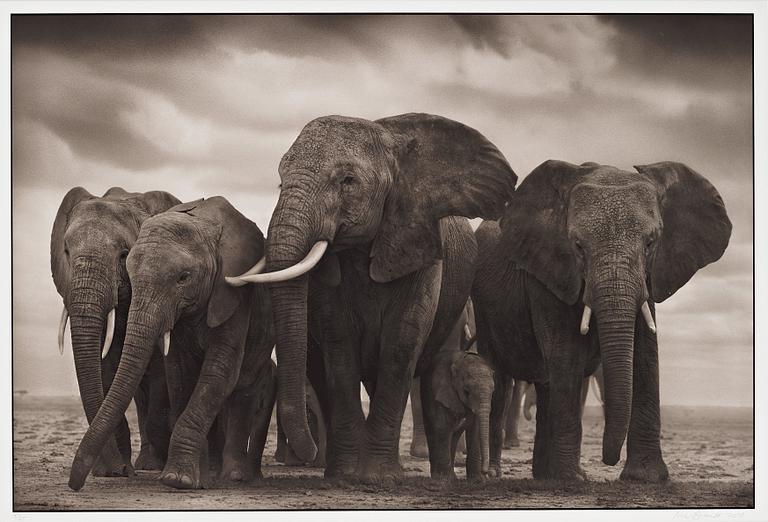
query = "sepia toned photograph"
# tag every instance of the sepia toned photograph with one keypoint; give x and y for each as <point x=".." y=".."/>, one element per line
<point x="382" y="261"/>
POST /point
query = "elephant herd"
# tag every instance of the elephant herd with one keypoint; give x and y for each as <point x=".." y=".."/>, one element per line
<point x="365" y="277"/>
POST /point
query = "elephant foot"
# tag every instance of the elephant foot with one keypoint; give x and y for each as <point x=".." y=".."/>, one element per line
<point x="478" y="477"/>
<point x="182" y="475"/>
<point x="340" y="471"/>
<point x="379" y="470"/>
<point x="511" y="442"/>
<point x="648" y="469"/>
<point x="112" y="468"/>
<point x="419" y="449"/>
<point x="239" y="472"/>
<point x="564" y="475"/>
<point x="149" y="459"/>
<point x="494" y="470"/>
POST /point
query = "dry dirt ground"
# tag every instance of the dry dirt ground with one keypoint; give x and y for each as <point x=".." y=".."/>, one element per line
<point x="708" y="451"/>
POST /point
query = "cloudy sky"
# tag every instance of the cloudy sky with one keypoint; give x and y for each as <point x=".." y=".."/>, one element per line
<point x="206" y="105"/>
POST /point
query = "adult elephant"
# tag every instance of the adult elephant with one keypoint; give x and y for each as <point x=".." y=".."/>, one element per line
<point x="391" y="286"/>
<point x="217" y="342"/>
<point x="90" y="240"/>
<point x="568" y="279"/>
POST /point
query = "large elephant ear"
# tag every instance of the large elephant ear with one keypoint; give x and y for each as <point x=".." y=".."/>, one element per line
<point x="443" y="168"/>
<point x="59" y="263"/>
<point x="696" y="226"/>
<point x="240" y="246"/>
<point x="535" y="227"/>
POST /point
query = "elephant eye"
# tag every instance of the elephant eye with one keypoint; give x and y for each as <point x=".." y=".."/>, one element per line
<point x="123" y="255"/>
<point x="183" y="278"/>
<point x="66" y="252"/>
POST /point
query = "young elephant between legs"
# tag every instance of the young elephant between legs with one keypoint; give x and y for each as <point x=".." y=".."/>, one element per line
<point x="217" y="341"/>
<point x="462" y="384"/>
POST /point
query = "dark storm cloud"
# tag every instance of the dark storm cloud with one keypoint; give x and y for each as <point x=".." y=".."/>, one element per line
<point x="148" y="36"/>
<point x="485" y="31"/>
<point x="712" y="49"/>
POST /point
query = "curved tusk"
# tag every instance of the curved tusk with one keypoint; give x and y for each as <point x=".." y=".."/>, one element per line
<point x="648" y="317"/>
<point x="300" y="268"/>
<point x="585" y="317"/>
<point x="110" y="333"/>
<point x="62" y="327"/>
<point x="166" y="343"/>
<point x="257" y="268"/>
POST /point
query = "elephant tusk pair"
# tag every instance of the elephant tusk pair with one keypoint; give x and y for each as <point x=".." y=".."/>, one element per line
<point x="587" y="315"/>
<point x="166" y="343"/>
<point x="300" y="268"/>
<point x="107" y="339"/>
<point x="62" y="328"/>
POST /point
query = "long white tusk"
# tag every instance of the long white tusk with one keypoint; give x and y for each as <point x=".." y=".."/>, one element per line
<point x="467" y="333"/>
<point x="648" y="317"/>
<point x="585" y="317"/>
<point x="166" y="343"/>
<point x="62" y="327"/>
<point x="110" y="333"/>
<point x="300" y="268"/>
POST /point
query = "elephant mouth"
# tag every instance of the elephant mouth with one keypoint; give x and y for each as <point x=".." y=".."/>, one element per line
<point x="586" y="316"/>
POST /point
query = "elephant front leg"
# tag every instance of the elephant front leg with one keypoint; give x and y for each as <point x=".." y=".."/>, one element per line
<point x="152" y="407"/>
<point x="418" y="439"/>
<point x="186" y="467"/>
<point x="439" y="426"/>
<point x="644" y="460"/>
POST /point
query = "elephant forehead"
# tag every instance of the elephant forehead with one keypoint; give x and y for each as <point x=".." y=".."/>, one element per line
<point x="111" y="217"/>
<point x="325" y="141"/>
<point x="175" y="226"/>
<point x="614" y="208"/>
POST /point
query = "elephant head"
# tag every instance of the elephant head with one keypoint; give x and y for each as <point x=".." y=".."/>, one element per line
<point x="176" y="269"/>
<point x="381" y="186"/>
<point x="465" y="387"/>
<point x="616" y="239"/>
<point x="90" y="241"/>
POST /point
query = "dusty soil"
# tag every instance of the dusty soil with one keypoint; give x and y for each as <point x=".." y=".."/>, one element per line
<point x="708" y="452"/>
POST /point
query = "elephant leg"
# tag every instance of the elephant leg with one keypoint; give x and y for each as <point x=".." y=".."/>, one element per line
<point x="182" y="374"/>
<point x="644" y="460"/>
<point x="115" y="459"/>
<point x="541" y="442"/>
<point x="153" y="416"/>
<point x="260" y="427"/>
<point x="341" y="365"/>
<point x="564" y="414"/>
<point x="418" y="439"/>
<point x="501" y="383"/>
<point x="439" y="426"/>
<point x="512" y="420"/>
<point x="240" y="410"/>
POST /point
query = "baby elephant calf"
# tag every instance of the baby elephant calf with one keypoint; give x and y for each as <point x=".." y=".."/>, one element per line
<point x="461" y="387"/>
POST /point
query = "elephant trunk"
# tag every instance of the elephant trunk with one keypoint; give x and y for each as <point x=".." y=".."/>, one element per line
<point x="616" y="305"/>
<point x="291" y="234"/>
<point x="91" y="297"/>
<point x="144" y="328"/>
